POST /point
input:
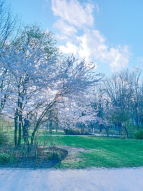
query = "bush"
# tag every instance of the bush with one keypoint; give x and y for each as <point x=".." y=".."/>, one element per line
<point x="54" y="155"/>
<point x="4" y="158"/>
<point x="86" y="133"/>
<point x="74" y="132"/>
<point x="3" y="138"/>
<point x="138" y="134"/>
<point x="71" y="132"/>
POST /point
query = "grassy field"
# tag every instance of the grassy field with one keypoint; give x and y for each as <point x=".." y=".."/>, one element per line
<point x="110" y="152"/>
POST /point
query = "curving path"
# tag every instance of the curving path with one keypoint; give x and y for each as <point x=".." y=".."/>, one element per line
<point x="94" y="179"/>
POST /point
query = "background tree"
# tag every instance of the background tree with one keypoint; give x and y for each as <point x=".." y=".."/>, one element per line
<point x="7" y="28"/>
<point x="77" y="111"/>
<point x="120" y="91"/>
<point x="7" y="23"/>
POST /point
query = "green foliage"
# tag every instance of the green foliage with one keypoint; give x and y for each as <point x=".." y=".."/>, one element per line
<point x="115" y="115"/>
<point x="4" y="158"/>
<point x="3" y="138"/>
<point x="5" y="124"/>
<point x="131" y="128"/>
<point x="138" y="134"/>
<point x="33" y="35"/>
<point x="71" y="132"/>
<point x="55" y="155"/>
<point x="75" y="132"/>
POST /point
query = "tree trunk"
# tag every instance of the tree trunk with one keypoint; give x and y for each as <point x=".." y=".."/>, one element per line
<point x="15" y="132"/>
<point x="82" y="128"/>
<point x="56" y="127"/>
<point x="126" y="131"/>
<point x="120" y="129"/>
<point x="107" y="130"/>
<point x="100" y="128"/>
<point x="35" y="129"/>
<point x="20" y="126"/>
<point x="40" y="120"/>
<point x="50" y="127"/>
<point x="20" y="123"/>
<point x="32" y="137"/>
<point x="137" y="122"/>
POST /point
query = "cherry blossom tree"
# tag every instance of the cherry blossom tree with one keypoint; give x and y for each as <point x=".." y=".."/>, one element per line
<point x="77" y="110"/>
<point x="25" y="65"/>
<point x="36" y="83"/>
<point x="72" y="80"/>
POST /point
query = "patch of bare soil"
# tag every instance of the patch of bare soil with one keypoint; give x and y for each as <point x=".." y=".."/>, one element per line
<point x="73" y="152"/>
<point x="44" y="151"/>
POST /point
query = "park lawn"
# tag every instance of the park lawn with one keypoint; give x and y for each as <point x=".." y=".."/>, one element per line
<point x="111" y="152"/>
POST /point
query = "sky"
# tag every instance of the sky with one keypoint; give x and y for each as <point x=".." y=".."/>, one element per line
<point x="107" y="33"/>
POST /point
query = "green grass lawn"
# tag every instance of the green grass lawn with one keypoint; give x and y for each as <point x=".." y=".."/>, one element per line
<point x="113" y="152"/>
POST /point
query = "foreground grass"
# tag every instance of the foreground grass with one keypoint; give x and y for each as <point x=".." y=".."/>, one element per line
<point x="110" y="152"/>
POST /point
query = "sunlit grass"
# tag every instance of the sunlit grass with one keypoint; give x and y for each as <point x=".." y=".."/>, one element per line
<point x="111" y="152"/>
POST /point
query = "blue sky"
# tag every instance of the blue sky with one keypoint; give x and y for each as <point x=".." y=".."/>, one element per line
<point x="109" y="33"/>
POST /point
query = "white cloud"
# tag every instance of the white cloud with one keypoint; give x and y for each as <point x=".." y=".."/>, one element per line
<point x="140" y="59"/>
<point x="65" y="28"/>
<point x="118" y="58"/>
<point x="92" y="44"/>
<point x="97" y="8"/>
<point x="61" y="37"/>
<point x="73" y="12"/>
<point x="69" y="48"/>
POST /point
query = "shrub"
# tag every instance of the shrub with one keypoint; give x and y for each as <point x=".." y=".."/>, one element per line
<point x="54" y="155"/>
<point x="3" y="138"/>
<point x="4" y="158"/>
<point x="71" y="132"/>
<point x="75" y="132"/>
<point x="138" y="134"/>
<point x="86" y="133"/>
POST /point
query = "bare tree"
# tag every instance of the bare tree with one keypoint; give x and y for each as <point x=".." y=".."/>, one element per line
<point x="7" y="23"/>
<point x="123" y="91"/>
<point x="7" y="27"/>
